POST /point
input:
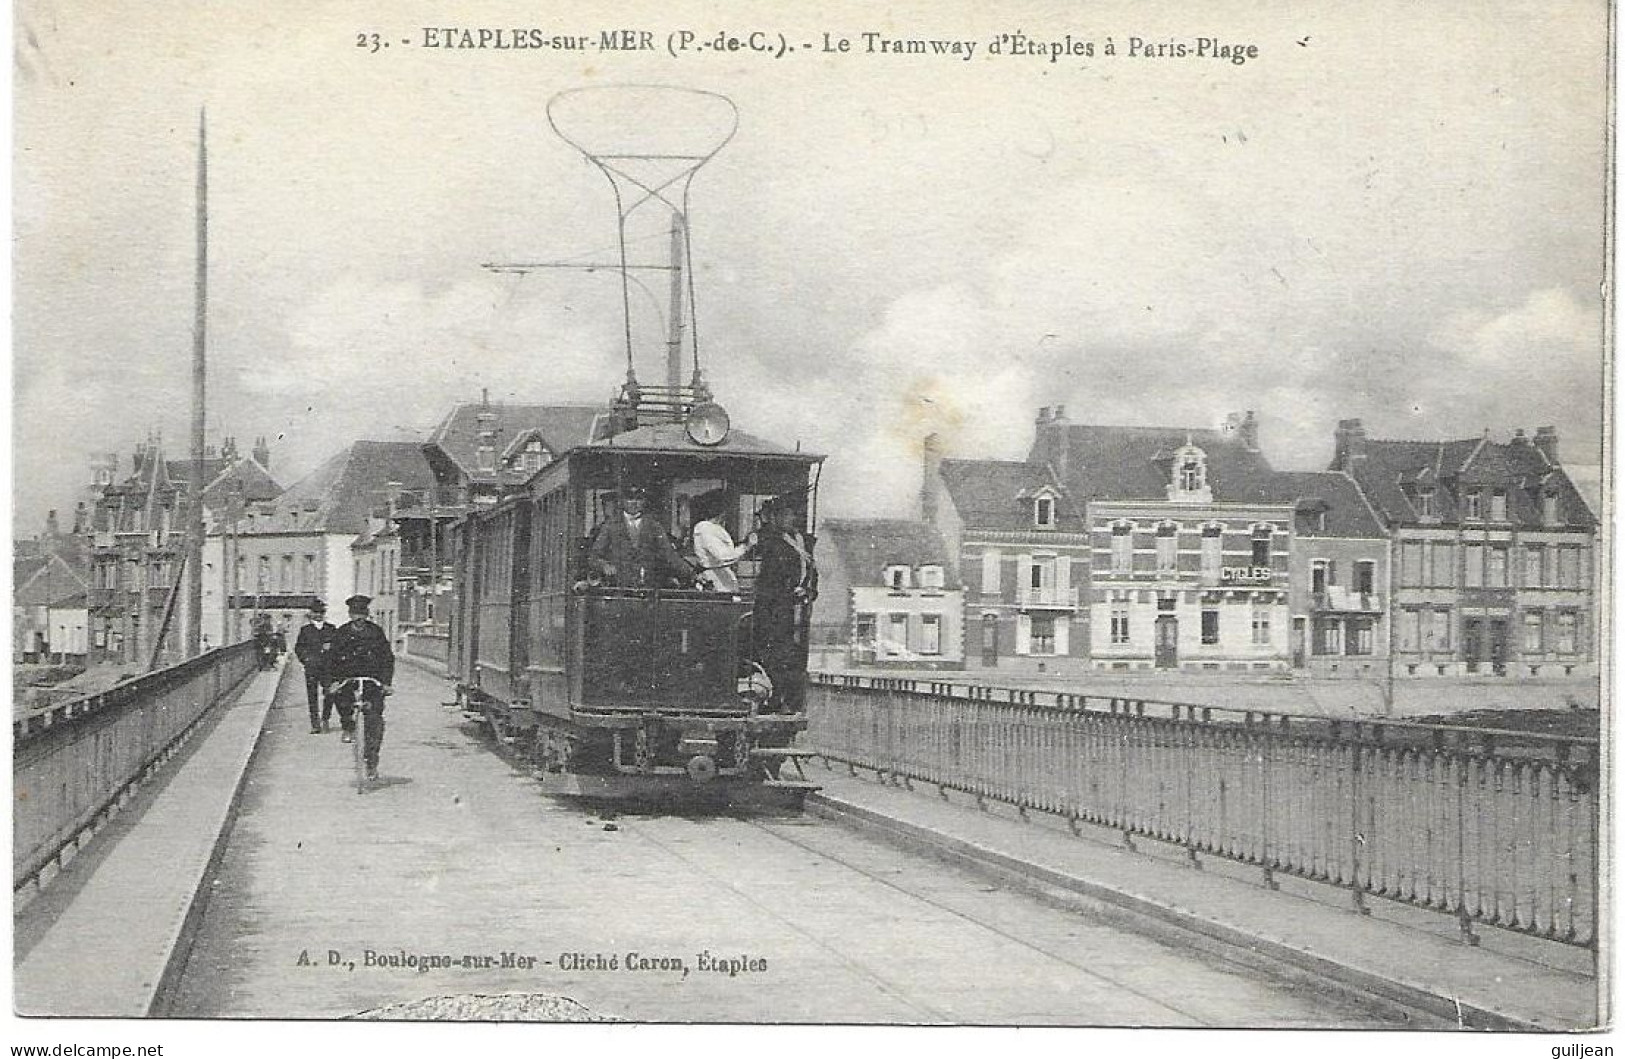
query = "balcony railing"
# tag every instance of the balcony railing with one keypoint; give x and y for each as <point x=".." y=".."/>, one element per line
<point x="1053" y="596"/>
<point x="1343" y="598"/>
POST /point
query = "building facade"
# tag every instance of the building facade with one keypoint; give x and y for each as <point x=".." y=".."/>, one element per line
<point x="282" y="555"/>
<point x="1492" y="551"/>
<point x="1019" y="546"/>
<point x="478" y="451"/>
<point x="887" y="596"/>
<point x="1341" y="586"/>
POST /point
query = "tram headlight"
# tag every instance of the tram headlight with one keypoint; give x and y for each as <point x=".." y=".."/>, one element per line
<point x="707" y="424"/>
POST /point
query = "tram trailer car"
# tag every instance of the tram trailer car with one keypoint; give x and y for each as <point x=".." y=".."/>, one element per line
<point x="630" y="691"/>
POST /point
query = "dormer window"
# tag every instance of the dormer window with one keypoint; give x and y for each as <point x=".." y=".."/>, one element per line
<point x="534" y="456"/>
<point x="1188" y="481"/>
<point x="1548" y="508"/>
<point x="1191" y="476"/>
<point x="1044" y="511"/>
<point x="931" y="577"/>
<point x="1498" y="505"/>
<point x="1474" y="505"/>
<point x="1424" y="503"/>
<point x="896" y="578"/>
<point x="485" y="458"/>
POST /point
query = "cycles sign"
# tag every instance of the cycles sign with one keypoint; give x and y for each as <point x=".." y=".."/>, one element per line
<point x="1245" y="575"/>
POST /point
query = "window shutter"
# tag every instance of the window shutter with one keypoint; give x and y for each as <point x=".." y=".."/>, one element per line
<point x="990" y="572"/>
<point x="1063" y="585"/>
<point x="1063" y="633"/>
<point x="1024" y="635"/>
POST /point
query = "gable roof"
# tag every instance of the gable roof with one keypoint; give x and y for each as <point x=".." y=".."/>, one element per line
<point x="1390" y="472"/>
<point x="255" y="481"/>
<point x="1347" y="513"/>
<point x="454" y="446"/>
<point x="1132" y="463"/>
<point x="46" y="580"/>
<point x="993" y="494"/>
<point x="866" y="546"/>
<point x="338" y="496"/>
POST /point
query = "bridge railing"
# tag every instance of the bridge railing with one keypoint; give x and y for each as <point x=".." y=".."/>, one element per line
<point x="71" y="763"/>
<point x="1494" y="827"/>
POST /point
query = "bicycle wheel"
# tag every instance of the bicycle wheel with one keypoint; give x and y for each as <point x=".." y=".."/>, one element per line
<point x="359" y="746"/>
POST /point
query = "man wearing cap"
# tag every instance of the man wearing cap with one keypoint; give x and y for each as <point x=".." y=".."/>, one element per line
<point x="631" y="549"/>
<point x="360" y="649"/>
<point x="786" y="582"/>
<point x="311" y="647"/>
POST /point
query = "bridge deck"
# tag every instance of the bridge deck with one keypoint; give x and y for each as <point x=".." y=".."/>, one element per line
<point x="539" y="903"/>
<point x="105" y="951"/>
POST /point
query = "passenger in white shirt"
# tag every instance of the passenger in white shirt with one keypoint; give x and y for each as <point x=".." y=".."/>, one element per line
<point x="714" y="546"/>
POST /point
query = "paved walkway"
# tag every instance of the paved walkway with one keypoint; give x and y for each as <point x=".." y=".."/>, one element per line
<point x="1411" y="955"/>
<point x="660" y="917"/>
<point x="100" y="956"/>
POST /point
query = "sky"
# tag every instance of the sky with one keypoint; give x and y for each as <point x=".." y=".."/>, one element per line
<point x="1393" y="212"/>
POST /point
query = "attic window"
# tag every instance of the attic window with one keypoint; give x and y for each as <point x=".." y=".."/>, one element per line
<point x="485" y="458"/>
<point x="930" y="577"/>
<point x="1187" y="480"/>
<point x="896" y="578"/>
<point x="1498" y="505"/>
<point x="1548" y="508"/>
<point x="534" y="455"/>
<point x="1474" y="504"/>
<point x="1424" y="503"/>
<point x="1044" y="512"/>
<point x="1191" y="474"/>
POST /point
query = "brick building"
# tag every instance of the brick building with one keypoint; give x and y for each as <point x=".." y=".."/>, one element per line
<point x="1492" y="550"/>
<point x="1018" y="544"/>
<point x="286" y="553"/>
<point x="1189" y="543"/>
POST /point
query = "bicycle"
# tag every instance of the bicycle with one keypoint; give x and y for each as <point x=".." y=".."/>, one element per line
<point x="363" y="711"/>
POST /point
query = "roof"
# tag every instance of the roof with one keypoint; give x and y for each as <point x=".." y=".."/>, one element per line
<point x="1392" y="472"/>
<point x="994" y="494"/>
<point x="455" y="443"/>
<point x="244" y="475"/>
<point x="673" y="437"/>
<point x="339" y="495"/>
<point x="1132" y="463"/>
<point x="866" y="546"/>
<point x="1347" y="513"/>
<point x="46" y="580"/>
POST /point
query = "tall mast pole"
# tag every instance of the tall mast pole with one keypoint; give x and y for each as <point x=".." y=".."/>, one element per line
<point x="674" y="340"/>
<point x="194" y="532"/>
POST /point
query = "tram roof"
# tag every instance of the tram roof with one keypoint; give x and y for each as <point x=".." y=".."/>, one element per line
<point x="672" y="438"/>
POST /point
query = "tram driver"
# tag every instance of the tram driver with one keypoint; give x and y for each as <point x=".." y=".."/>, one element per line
<point x="630" y="549"/>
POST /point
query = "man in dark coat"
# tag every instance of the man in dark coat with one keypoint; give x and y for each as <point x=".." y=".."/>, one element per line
<point x="310" y="647"/>
<point x="631" y="549"/>
<point x="786" y="584"/>
<point x="360" y="649"/>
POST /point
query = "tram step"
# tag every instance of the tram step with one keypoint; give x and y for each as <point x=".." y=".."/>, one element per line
<point x="792" y="785"/>
<point x="782" y="752"/>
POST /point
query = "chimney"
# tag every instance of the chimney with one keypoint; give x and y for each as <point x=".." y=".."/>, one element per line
<point x="1350" y="444"/>
<point x="1248" y="432"/>
<point x="228" y="450"/>
<point x="1050" y="440"/>
<point x="81" y="518"/>
<point x="262" y="453"/>
<point x="52" y="530"/>
<point x="1546" y="442"/>
<point x="1519" y="438"/>
<point x="931" y="477"/>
